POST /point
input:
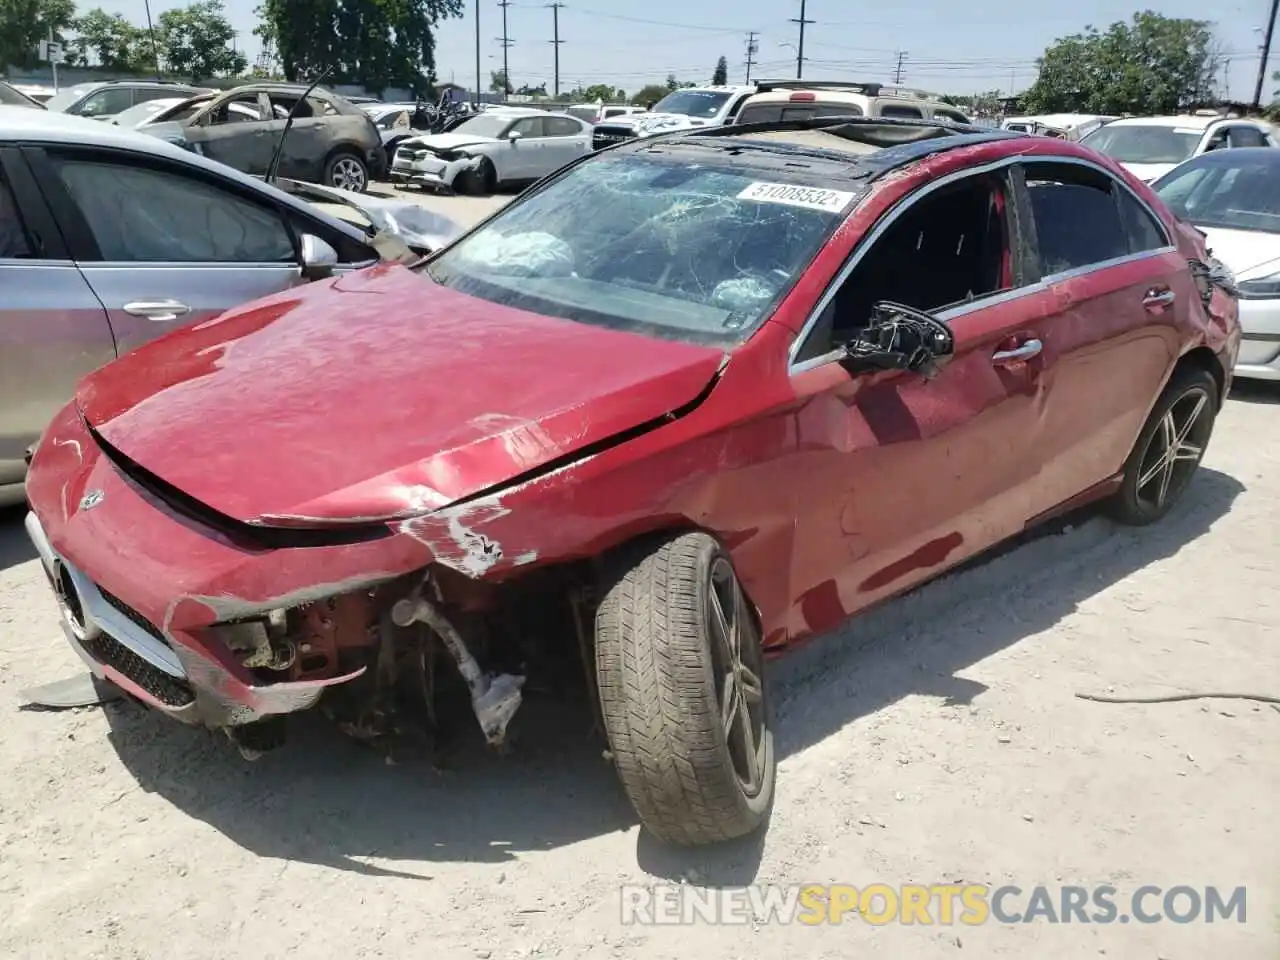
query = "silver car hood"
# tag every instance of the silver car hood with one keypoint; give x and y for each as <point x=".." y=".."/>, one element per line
<point x="418" y="227"/>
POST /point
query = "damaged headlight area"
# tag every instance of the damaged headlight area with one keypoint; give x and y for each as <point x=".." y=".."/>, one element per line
<point x="407" y="655"/>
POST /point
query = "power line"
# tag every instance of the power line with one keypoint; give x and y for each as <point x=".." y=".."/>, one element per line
<point x="800" y="49"/>
<point x="555" y="43"/>
<point x="654" y="23"/>
<point x="506" y="43"/>
<point x="752" y="49"/>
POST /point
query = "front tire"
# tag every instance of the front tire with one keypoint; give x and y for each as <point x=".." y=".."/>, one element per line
<point x="679" y="665"/>
<point x="1169" y="448"/>
<point x="480" y="182"/>
<point x="346" y="171"/>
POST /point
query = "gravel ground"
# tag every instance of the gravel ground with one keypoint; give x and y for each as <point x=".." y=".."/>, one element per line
<point x="936" y="740"/>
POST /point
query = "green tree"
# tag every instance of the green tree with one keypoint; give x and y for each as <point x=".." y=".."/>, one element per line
<point x="672" y="82"/>
<point x="721" y="75"/>
<point x="196" y="41"/>
<point x="1150" y="65"/>
<point x="24" y="23"/>
<point x="498" y="82"/>
<point x="378" y="43"/>
<point x="527" y="91"/>
<point x="110" y="41"/>
<point x="603" y="91"/>
<point x="647" y="96"/>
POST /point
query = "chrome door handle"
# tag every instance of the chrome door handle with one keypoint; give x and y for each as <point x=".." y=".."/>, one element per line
<point x="1157" y="298"/>
<point x="161" y="311"/>
<point x="1025" y="352"/>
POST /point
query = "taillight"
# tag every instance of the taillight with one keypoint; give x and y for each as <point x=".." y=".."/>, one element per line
<point x="803" y="95"/>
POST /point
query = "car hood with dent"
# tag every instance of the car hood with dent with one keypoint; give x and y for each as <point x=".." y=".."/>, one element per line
<point x="376" y="395"/>
<point x="420" y="228"/>
<point x="446" y="141"/>
<point x="1249" y="254"/>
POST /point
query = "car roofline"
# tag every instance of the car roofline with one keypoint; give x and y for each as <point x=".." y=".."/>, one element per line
<point x="951" y="136"/>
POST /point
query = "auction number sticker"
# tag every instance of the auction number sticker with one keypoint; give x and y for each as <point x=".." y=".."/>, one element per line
<point x="833" y="201"/>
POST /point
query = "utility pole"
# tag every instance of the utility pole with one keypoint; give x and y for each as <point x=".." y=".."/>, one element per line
<point x="800" y="49"/>
<point x="1266" y="52"/>
<point x="897" y="73"/>
<point x="506" y="42"/>
<point x="151" y="32"/>
<point x="555" y="45"/>
<point x="752" y="48"/>
<point x="475" y="100"/>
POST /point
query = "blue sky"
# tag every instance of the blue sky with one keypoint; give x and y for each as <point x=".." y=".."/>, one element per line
<point x="950" y="46"/>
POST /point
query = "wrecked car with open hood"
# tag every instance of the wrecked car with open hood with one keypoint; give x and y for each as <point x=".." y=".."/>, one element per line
<point x="688" y="402"/>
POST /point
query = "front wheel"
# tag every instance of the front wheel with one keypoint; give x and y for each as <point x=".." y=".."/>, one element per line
<point x="1169" y="448"/>
<point x="480" y="181"/>
<point x="680" y="669"/>
<point x="346" y="171"/>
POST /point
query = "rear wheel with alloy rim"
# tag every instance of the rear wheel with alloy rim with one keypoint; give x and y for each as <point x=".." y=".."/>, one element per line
<point x="680" y="670"/>
<point x="346" y="171"/>
<point x="1169" y="448"/>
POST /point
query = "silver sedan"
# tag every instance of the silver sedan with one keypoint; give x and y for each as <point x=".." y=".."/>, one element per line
<point x="109" y="238"/>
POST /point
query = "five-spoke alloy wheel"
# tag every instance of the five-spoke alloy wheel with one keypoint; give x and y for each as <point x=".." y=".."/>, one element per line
<point x="1169" y="448"/>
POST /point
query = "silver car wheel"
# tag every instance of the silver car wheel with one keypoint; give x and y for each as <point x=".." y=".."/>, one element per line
<point x="349" y="174"/>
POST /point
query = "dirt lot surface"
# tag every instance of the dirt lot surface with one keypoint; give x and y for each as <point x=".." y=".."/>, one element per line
<point x="936" y="740"/>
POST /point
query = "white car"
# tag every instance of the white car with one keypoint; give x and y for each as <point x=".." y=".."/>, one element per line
<point x="802" y="99"/>
<point x="1071" y="126"/>
<point x="679" y="110"/>
<point x="499" y="146"/>
<point x="1233" y="198"/>
<point x="393" y="120"/>
<point x="1149" y="147"/>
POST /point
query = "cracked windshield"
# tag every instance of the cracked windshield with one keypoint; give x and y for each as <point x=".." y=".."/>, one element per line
<point x="680" y="243"/>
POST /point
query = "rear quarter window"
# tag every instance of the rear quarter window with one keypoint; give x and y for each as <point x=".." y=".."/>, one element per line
<point x="789" y="110"/>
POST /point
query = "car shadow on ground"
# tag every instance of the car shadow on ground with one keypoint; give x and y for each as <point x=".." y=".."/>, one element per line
<point x="324" y="800"/>
<point x="15" y="545"/>
<point x="1255" y="391"/>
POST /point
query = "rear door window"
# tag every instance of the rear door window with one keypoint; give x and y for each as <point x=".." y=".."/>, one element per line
<point x="899" y="111"/>
<point x="1077" y="216"/>
<point x="560" y="127"/>
<point x="1246" y="136"/>
<point x="14" y="243"/>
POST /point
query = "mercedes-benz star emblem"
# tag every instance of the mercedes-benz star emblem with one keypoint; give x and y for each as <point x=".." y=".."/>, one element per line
<point x="91" y="499"/>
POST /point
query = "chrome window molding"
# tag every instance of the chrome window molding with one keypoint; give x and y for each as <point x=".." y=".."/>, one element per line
<point x="1001" y="296"/>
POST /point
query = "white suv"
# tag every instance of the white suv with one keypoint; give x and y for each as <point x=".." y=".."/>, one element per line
<point x="1149" y="147"/>
<point x="803" y="99"/>
<point x="679" y="110"/>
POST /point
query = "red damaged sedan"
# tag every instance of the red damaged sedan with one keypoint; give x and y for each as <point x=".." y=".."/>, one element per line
<point x="686" y="402"/>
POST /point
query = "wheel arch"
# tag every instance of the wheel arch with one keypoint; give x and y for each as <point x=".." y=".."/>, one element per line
<point x="1203" y="358"/>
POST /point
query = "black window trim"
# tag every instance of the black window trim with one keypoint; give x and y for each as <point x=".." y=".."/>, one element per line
<point x="82" y="246"/>
<point x="48" y="245"/>
<point x="1117" y="185"/>
<point x="1015" y="219"/>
